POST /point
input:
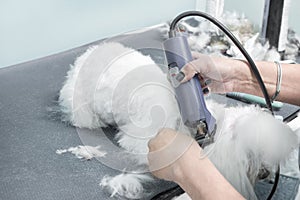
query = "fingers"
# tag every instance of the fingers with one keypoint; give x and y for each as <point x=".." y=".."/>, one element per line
<point x="166" y="147"/>
<point x="205" y="68"/>
<point x="204" y="84"/>
<point x="204" y="81"/>
<point x="200" y="65"/>
<point x="189" y="71"/>
<point x="196" y="55"/>
<point x="213" y="71"/>
<point x="166" y="138"/>
<point x="163" y="137"/>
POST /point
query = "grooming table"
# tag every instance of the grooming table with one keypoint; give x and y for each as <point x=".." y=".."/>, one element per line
<point x="30" y="134"/>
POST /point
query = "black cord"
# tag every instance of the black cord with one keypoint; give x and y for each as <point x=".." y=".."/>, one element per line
<point x="252" y="67"/>
<point x="169" y="194"/>
<point x="275" y="183"/>
<point x="235" y="41"/>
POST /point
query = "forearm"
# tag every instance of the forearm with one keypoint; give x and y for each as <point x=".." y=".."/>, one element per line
<point x="245" y="81"/>
<point x="201" y="180"/>
<point x="289" y="91"/>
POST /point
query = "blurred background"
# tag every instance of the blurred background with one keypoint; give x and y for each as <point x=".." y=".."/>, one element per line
<point x="33" y="29"/>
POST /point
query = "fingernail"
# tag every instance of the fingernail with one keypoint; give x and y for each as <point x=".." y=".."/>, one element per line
<point x="180" y="76"/>
<point x="207" y="81"/>
<point x="205" y="91"/>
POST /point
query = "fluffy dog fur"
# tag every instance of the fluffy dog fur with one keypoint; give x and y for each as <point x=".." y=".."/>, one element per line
<point x="114" y="85"/>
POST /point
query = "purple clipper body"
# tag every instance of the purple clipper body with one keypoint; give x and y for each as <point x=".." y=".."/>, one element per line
<point x="189" y="95"/>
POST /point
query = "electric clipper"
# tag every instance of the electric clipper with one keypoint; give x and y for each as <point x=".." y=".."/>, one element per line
<point x="194" y="112"/>
<point x="189" y="95"/>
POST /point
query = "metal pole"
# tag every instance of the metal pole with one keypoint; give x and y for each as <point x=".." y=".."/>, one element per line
<point x="275" y="23"/>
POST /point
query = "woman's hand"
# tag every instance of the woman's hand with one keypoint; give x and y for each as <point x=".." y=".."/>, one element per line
<point x="216" y="73"/>
<point x="169" y="153"/>
<point x="177" y="157"/>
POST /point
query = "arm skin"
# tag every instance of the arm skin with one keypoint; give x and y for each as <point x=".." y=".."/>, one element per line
<point x="194" y="173"/>
<point x="246" y="81"/>
<point x="236" y="76"/>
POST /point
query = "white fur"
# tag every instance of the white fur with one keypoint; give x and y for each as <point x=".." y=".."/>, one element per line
<point x="126" y="185"/>
<point x="106" y="92"/>
<point x="113" y="84"/>
<point x="200" y="38"/>
<point x="86" y="152"/>
<point x="247" y="140"/>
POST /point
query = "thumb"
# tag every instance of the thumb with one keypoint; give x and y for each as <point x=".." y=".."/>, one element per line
<point x="190" y="70"/>
<point x="200" y="65"/>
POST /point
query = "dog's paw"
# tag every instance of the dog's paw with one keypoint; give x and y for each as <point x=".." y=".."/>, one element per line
<point x="126" y="185"/>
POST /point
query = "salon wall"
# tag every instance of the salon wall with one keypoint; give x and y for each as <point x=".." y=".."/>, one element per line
<point x="36" y="28"/>
<point x="31" y="29"/>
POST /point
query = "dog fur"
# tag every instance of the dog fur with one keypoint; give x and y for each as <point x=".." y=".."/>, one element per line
<point x="115" y="85"/>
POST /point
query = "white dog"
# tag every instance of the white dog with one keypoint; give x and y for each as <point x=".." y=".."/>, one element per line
<point x="114" y="85"/>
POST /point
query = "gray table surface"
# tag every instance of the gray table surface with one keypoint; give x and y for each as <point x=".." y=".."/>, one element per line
<point x="29" y="166"/>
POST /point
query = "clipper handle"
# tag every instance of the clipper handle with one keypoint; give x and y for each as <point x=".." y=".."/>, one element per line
<point x="189" y="95"/>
